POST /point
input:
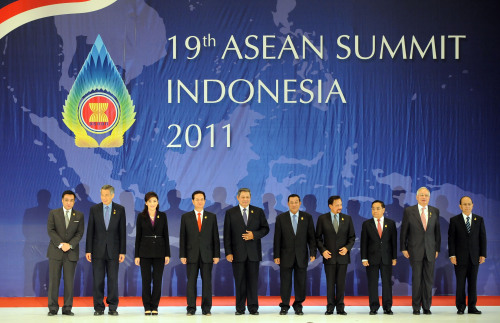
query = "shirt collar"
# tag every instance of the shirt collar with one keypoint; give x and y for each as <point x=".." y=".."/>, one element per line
<point x="64" y="210"/>
<point x="196" y="212"/>
<point x="246" y="208"/>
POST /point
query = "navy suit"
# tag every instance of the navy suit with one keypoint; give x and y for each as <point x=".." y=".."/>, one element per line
<point x="246" y="253"/>
<point x="199" y="248"/>
<point x="379" y="251"/>
<point x="467" y="248"/>
<point x="422" y="246"/>
<point x="293" y="250"/>
<point x="105" y="245"/>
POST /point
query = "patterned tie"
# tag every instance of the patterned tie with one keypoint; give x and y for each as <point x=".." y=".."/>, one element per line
<point x="379" y="228"/>
<point x="106" y="216"/>
<point x="66" y="219"/>
<point x="294" y="223"/>
<point x="245" y="218"/>
<point x="199" y="222"/>
<point x="422" y="217"/>
<point x="467" y="224"/>
<point x="335" y="223"/>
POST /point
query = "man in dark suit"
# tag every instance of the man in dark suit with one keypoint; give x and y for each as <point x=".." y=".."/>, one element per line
<point x="335" y="237"/>
<point x="467" y="248"/>
<point x="420" y="243"/>
<point x="106" y="248"/>
<point x="378" y="254"/>
<point x="65" y="227"/>
<point x="244" y="226"/>
<point x="294" y="241"/>
<point x="199" y="248"/>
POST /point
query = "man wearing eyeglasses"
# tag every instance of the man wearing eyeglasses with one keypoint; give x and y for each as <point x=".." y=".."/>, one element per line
<point x="420" y="242"/>
<point x="378" y="254"/>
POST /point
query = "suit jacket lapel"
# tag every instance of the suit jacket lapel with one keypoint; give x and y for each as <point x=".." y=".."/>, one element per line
<point x="374" y="228"/>
<point x="62" y="217"/>
<point x="100" y="215"/>
<point x="289" y="224"/>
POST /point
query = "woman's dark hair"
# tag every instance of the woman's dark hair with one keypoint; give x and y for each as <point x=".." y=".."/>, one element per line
<point x="146" y="198"/>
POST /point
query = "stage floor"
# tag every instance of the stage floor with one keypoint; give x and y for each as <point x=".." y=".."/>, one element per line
<point x="225" y="314"/>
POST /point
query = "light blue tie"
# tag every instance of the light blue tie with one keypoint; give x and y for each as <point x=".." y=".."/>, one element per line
<point x="294" y="223"/>
<point x="335" y="223"/>
<point x="106" y="216"/>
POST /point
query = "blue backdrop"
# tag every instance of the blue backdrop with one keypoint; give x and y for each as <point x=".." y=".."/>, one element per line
<point x="406" y="123"/>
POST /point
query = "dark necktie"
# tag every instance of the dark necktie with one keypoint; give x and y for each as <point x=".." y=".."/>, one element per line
<point x="66" y="218"/>
<point x="467" y="224"/>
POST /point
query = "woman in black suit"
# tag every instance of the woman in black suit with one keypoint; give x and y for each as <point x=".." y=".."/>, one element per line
<point x="152" y="251"/>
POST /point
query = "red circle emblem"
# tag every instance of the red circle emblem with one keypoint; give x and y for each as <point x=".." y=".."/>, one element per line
<point x="98" y="112"/>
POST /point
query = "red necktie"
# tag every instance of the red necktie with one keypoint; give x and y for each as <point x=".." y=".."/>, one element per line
<point x="422" y="217"/>
<point x="199" y="222"/>
<point x="379" y="228"/>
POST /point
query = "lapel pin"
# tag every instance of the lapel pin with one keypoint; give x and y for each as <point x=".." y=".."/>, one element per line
<point x="73" y="214"/>
<point x="205" y="216"/>
<point x="342" y="219"/>
<point x="251" y="211"/>
<point x="302" y="218"/>
<point x="114" y="211"/>
<point x="157" y="216"/>
<point x="386" y="225"/>
<point x="475" y="219"/>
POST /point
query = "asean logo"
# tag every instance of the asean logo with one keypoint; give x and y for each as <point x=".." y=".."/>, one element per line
<point x="98" y="102"/>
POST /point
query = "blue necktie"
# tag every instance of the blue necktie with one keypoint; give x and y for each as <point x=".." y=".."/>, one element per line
<point x="294" y="223"/>
<point x="106" y="216"/>
<point x="245" y="218"/>
<point x="467" y="224"/>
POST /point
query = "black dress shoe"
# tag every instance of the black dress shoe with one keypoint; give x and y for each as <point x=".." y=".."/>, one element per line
<point x="239" y="312"/>
<point x="373" y="312"/>
<point x="460" y="312"/>
<point x="52" y="313"/>
<point x="254" y="313"/>
<point x="283" y="312"/>
<point x="328" y="312"/>
<point x="415" y="312"/>
<point x="474" y="311"/>
<point x="113" y="313"/>
<point x="190" y="313"/>
<point x="207" y="313"/>
<point x="341" y="312"/>
<point x="154" y="312"/>
<point x="96" y="313"/>
<point x="68" y="313"/>
<point x="299" y="312"/>
<point x="427" y="312"/>
<point x="388" y="312"/>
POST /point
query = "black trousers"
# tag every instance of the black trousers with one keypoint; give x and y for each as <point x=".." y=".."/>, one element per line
<point x="372" y="273"/>
<point x="422" y="280"/>
<point x="68" y="268"/>
<point x="206" y="285"/>
<point x="299" y="280"/>
<point x="246" y="280"/>
<point x="335" y="286"/>
<point x="151" y="270"/>
<point x="102" y="268"/>
<point x="467" y="272"/>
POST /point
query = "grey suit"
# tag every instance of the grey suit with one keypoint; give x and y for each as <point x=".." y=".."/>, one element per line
<point x="58" y="233"/>
<point x="422" y="246"/>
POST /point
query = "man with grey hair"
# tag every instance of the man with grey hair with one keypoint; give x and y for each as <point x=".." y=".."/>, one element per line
<point x="420" y="241"/>
<point x="105" y="248"/>
<point x="244" y="226"/>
